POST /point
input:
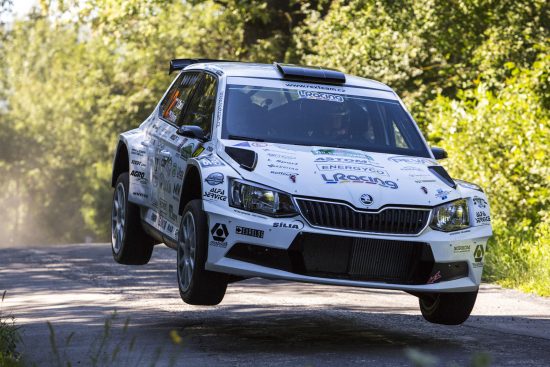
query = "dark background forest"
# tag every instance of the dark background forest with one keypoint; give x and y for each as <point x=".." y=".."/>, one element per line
<point x="474" y="74"/>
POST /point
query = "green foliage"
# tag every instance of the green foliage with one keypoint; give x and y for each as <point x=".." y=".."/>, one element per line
<point x="9" y="337"/>
<point x="501" y="141"/>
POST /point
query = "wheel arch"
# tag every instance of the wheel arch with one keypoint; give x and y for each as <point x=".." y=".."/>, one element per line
<point x="121" y="162"/>
<point x="191" y="188"/>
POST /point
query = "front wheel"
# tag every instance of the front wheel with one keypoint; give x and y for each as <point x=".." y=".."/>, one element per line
<point x="197" y="286"/>
<point x="447" y="308"/>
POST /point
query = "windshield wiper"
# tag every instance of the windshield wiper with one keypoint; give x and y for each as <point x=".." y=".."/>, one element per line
<point x="237" y="137"/>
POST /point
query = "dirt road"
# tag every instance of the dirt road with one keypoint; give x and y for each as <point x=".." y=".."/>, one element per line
<point x="77" y="288"/>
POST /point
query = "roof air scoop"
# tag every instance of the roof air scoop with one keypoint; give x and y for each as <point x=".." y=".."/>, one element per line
<point x="310" y="74"/>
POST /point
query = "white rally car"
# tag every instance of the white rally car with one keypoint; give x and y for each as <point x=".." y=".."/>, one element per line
<point x="296" y="173"/>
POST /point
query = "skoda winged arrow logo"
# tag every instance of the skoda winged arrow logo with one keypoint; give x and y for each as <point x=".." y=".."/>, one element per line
<point x="366" y="199"/>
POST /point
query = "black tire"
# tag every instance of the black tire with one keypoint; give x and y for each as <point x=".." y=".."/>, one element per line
<point x="204" y="287"/>
<point x="135" y="247"/>
<point x="447" y="308"/>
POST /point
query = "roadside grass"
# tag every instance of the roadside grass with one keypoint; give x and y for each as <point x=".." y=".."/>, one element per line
<point x="518" y="256"/>
<point x="114" y="347"/>
<point x="9" y="337"/>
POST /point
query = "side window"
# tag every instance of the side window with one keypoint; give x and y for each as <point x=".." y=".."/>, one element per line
<point x="178" y="97"/>
<point x="201" y="108"/>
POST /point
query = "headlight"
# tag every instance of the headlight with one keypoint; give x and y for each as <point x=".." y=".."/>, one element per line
<point x="260" y="200"/>
<point x="451" y="216"/>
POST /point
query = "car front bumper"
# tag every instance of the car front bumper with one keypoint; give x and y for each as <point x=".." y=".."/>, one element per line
<point x="249" y="245"/>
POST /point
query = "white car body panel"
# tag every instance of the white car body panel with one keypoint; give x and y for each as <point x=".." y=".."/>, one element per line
<point x="330" y="174"/>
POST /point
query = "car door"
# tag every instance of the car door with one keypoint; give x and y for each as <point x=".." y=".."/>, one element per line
<point x="198" y="112"/>
<point x="164" y="145"/>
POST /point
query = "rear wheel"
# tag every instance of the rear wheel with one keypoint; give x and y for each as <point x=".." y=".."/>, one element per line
<point x="129" y="242"/>
<point x="196" y="285"/>
<point x="447" y="308"/>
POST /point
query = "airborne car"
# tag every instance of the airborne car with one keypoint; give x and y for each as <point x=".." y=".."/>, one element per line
<point x="296" y="173"/>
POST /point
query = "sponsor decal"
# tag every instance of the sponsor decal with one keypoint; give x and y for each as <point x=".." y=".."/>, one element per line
<point x="478" y="254"/>
<point x="219" y="109"/>
<point x="251" y="232"/>
<point x="173" y="216"/>
<point x="218" y="244"/>
<point x="176" y="189"/>
<point x="154" y="217"/>
<point x="219" y="232"/>
<point x="341" y="152"/>
<point x="286" y="162"/>
<point x="284" y="173"/>
<point x="314" y="86"/>
<point x="411" y="168"/>
<point x="259" y="145"/>
<point x="458" y="232"/>
<point x="421" y="181"/>
<point x="210" y="161"/>
<point x="174" y="169"/>
<point x="412" y="160"/>
<point x="482" y="218"/>
<point x="366" y="199"/>
<point x="214" y="178"/>
<point x="138" y="152"/>
<point x="345" y="160"/>
<point x="243" y="144"/>
<point x="198" y="151"/>
<point x="344" y="178"/>
<point x="179" y="173"/>
<point x="138" y="163"/>
<point x="162" y="223"/>
<point x="321" y="96"/>
<point x="140" y="194"/>
<point x="292" y="178"/>
<point x="442" y="194"/>
<point x="297" y="224"/>
<point x="424" y="189"/>
<point x="174" y="137"/>
<point x="170" y="228"/>
<point x="282" y="167"/>
<point x="480" y="202"/>
<point x="163" y="205"/>
<point x="434" y="278"/>
<point x="282" y="156"/>
<point x="350" y="167"/>
<point x="139" y="175"/>
<point x="215" y="194"/>
<point x="460" y="249"/>
<point x="249" y="214"/>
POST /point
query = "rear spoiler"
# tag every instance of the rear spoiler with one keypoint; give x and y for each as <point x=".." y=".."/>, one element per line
<point x="179" y="64"/>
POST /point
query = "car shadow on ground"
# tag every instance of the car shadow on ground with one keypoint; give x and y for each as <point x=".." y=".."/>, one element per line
<point x="84" y="287"/>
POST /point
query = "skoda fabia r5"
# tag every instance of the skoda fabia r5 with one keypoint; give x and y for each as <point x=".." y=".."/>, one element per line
<point x="296" y="173"/>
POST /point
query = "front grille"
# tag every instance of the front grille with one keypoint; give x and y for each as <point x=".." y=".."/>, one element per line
<point x="338" y="257"/>
<point x="341" y="216"/>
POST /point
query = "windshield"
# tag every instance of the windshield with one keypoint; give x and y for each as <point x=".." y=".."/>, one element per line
<point x="318" y="118"/>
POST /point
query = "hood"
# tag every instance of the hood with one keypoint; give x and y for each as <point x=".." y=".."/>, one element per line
<point x="365" y="180"/>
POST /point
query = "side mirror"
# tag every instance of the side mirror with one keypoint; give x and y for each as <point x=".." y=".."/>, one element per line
<point x="191" y="131"/>
<point x="439" y="153"/>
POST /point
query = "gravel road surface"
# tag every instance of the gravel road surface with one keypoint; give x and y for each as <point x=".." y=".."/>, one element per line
<point x="78" y="288"/>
